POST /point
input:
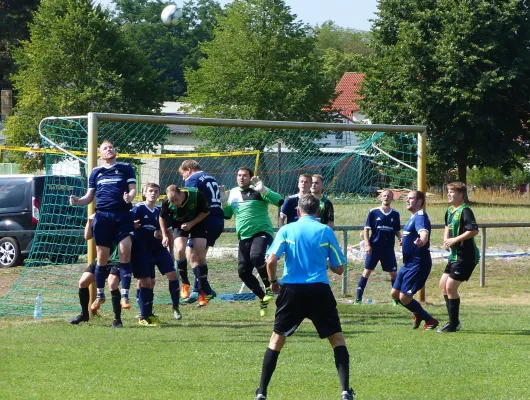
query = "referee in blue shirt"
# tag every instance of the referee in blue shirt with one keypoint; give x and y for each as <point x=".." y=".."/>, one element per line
<point x="305" y="290"/>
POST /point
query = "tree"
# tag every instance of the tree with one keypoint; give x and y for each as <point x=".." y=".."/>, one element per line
<point x="460" y="67"/>
<point x="344" y="40"/>
<point x="261" y="64"/>
<point x="14" y="18"/>
<point x="76" y="61"/>
<point x="169" y="49"/>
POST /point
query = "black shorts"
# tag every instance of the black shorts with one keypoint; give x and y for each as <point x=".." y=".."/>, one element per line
<point x="314" y="301"/>
<point x="197" y="232"/>
<point x="112" y="268"/>
<point x="460" y="270"/>
<point x="252" y="251"/>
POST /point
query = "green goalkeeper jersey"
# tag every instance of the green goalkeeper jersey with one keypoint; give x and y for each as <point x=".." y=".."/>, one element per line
<point x="251" y="210"/>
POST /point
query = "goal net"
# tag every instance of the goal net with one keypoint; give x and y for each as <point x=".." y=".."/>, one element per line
<point x="355" y="167"/>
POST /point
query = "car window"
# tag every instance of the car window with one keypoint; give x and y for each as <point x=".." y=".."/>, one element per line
<point x="12" y="193"/>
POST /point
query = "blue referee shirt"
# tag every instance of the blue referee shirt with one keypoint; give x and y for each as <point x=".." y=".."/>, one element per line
<point x="307" y="245"/>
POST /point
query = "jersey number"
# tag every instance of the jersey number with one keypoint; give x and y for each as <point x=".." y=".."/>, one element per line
<point x="214" y="188"/>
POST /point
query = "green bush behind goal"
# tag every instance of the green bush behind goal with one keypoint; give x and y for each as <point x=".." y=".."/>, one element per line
<point x="354" y="165"/>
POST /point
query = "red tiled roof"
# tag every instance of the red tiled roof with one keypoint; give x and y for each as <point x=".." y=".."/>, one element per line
<point x="348" y="93"/>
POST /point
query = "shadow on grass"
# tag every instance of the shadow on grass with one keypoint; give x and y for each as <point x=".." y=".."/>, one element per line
<point x="494" y="332"/>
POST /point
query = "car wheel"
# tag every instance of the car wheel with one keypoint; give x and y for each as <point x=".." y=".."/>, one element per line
<point x="9" y="253"/>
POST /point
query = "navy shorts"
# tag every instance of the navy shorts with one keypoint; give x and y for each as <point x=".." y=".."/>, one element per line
<point x="111" y="227"/>
<point x="386" y="256"/>
<point x="144" y="260"/>
<point x="460" y="270"/>
<point x="314" y="301"/>
<point x="412" y="277"/>
<point x="214" y="228"/>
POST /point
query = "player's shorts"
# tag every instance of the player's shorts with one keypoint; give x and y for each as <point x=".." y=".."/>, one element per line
<point x="252" y="251"/>
<point x="162" y="259"/>
<point x="386" y="256"/>
<point x="460" y="270"/>
<point x="314" y="301"/>
<point x="141" y="261"/>
<point x="197" y="232"/>
<point x="412" y="277"/>
<point x="144" y="260"/>
<point x="112" y="227"/>
<point x="112" y="268"/>
<point x="214" y="228"/>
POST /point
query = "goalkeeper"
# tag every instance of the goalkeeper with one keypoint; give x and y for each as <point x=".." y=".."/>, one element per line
<point x="249" y="202"/>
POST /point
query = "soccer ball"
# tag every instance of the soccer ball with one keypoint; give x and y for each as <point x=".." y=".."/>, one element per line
<point x="171" y="14"/>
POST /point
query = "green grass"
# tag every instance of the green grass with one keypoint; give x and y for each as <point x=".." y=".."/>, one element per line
<point x="216" y="353"/>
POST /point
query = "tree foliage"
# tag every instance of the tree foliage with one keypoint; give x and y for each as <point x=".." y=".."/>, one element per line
<point x="461" y="67"/>
<point x="14" y="18"/>
<point x="261" y="64"/>
<point x="344" y="40"/>
<point x="169" y="49"/>
<point x="77" y="61"/>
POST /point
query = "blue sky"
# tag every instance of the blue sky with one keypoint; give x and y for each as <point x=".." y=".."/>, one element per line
<point x="346" y="13"/>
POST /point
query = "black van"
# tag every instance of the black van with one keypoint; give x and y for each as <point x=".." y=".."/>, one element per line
<point x="22" y="206"/>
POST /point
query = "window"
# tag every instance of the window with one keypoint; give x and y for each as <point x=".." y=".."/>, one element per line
<point x="12" y="193"/>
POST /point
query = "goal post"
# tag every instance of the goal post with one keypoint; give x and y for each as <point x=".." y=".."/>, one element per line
<point x="384" y="156"/>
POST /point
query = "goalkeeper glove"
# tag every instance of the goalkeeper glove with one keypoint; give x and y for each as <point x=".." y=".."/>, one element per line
<point x="224" y="196"/>
<point x="258" y="186"/>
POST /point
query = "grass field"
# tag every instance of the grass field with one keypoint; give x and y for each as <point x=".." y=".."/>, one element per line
<point x="216" y="352"/>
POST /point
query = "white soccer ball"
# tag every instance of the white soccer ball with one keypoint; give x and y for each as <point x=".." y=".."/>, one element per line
<point x="171" y="14"/>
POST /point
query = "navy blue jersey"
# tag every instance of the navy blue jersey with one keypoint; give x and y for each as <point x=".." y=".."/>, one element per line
<point x="290" y="208"/>
<point x="110" y="184"/>
<point x="383" y="226"/>
<point x="149" y="223"/>
<point x="208" y="186"/>
<point x="411" y="231"/>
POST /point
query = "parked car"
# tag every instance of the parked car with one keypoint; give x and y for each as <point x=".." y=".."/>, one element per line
<point x="22" y="206"/>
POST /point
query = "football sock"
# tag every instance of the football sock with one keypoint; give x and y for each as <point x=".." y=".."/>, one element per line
<point x="269" y="365"/>
<point x="360" y="287"/>
<point x="142" y="294"/>
<point x="137" y="293"/>
<point x="203" y="278"/>
<point x="116" y="306"/>
<point x="182" y="268"/>
<point x="262" y="271"/>
<point x="446" y="298"/>
<point x="197" y="284"/>
<point x="125" y="278"/>
<point x="342" y="362"/>
<point x="453" y="307"/>
<point x="174" y="292"/>
<point x="100" y="277"/>
<point x="416" y="308"/>
<point x="84" y="298"/>
<point x="148" y="307"/>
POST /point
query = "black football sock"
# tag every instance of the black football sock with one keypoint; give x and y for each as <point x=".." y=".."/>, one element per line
<point x="116" y="306"/>
<point x="453" y="307"/>
<point x="182" y="268"/>
<point x="84" y="298"/>
<point x="269" y="365"/>
<point x="342" y="362"/>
